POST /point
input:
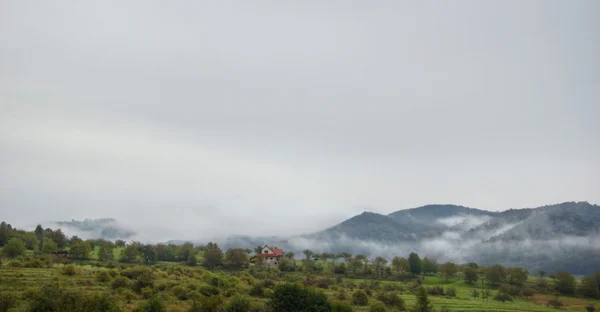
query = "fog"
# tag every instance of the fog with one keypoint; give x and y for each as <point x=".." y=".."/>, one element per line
<point x="195" y="120"/>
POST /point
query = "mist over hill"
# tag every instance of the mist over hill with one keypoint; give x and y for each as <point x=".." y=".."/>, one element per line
<point x="562" y="236"/>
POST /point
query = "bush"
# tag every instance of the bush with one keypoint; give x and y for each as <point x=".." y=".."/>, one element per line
<point x="451" y="292"/>
<point x="15" y="263"/>
<point x="147" y="292"/>
<point x="340" y="307"/>
<point x="502" y="297"/>
<point x="103" y="276"/>
<point x="391" y="299"/>
<point x="322" y="284"/>
<point x="7" y="301"/>
<point x="50" y="298"/>
<point x="378" y="307"/>
<point x="257" y="290"/>
<point x="292" y="298"/>
<point x="435" y="290"/>
<point x="155" y="304"/>
<point x="208" y="290"/>
<point x="127" y="294"/>
<point x="120" y="282"/>
<point x="269" y="293"/>
<point x="238" y="303"/>
<point x="207" y="304"/>
<point x="69" y="270"/>
<point x="555" y="303"/>
<point x="590" y="308"/>
<point x="180" y="292"/>
<point x="360" y="298"/>
<point x="268" y="283"/>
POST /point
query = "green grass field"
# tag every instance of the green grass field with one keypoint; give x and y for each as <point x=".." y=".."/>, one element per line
<point x="22" y="281"/>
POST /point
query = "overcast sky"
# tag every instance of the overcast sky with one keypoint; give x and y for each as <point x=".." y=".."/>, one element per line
<point x="285" y="117"/>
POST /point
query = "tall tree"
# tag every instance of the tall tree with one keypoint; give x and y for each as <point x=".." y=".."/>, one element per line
<point x="414" y="261"/>
<point x="49" y="246"/>
<point x="129" y="254"/>
<point x="400" y="265"/>
<point x="495" y="274"/>
<point x="59" y="238"/>
<point x="105" y="252"/>
<point x="379" y="264"/>
<point x="39" y="233"/>
<point x="589" y="287"/>
<point x="564" y="282"/>
<point x="31" y="241"/>
<point x="449" y="269"/>
<point x="236" y="257"/>
<point x="148" y="254"/>
<point x="120" y="243"/>
<point x="4" y="233"/>
<point x="258" y="249"/>
<point x="429" y="266"/>
<point x="365" y="261"/>
<point x="308" y="255"/>
<point x="80" y="250"/>
<point x="517" y="276"/>
<point x="470" y="274"/>
<point x="355" y="264"/>
<point x="213" y="256"/>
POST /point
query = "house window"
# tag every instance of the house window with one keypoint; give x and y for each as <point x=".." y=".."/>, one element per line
<point x="265" y="251"/>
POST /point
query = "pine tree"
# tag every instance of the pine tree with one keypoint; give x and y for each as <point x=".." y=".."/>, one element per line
<point x="423" y="304"/>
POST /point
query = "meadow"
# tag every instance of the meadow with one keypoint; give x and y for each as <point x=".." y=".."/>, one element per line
<point x="180" y="286"/>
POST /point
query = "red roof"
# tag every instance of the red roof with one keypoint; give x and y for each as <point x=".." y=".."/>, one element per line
<point x="276" y="253"/>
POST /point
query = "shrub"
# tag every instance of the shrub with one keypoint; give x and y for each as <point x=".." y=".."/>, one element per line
<point x="127" y="294"/>
<point x="360" y="298"/>
<point x="341" y="295"/>
<point x="502" y="297"/>
<point x="590" y="308"/>
<point x="7" y="301"/>
<point x="69" y="270"/>
<point x="120" y="282"/>
<point x="207" y="304"/>
<point x="391" y="299"/>
<point x="15" y="263"/>
<point x="435" y="290"/>
<point x="50" y="298"/>
<point x="155" y="304"/>
<point x="451" y="292"/>
<point x="555" y="303"/>
<point x="268" y="293"/>
<point x="292" y="297"/>
<point x="194" y="295"/>
<point x="208" y="290"/>
<point x="103" y="276"/>
<point x="378" y="307"/>
<point x="268" y="283"/>
<point x="238" y="303"/>
<point x="147" y="292"/>
<point x="257" y="290"/>
<point x="180" y="292"/>
<point x="340" y="307"/>
<point x="322" y="284"/>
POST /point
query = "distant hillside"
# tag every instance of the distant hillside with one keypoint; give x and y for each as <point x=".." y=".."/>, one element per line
<point x="545" y="237"/>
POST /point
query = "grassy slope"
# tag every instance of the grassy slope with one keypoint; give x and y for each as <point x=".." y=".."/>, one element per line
<point x="20" y="279"/>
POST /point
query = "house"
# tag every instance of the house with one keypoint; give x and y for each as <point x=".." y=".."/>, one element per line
<point x="271" y="255"/>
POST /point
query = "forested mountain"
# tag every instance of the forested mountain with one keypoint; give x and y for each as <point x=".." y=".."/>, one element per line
<point x="561" y="236"/>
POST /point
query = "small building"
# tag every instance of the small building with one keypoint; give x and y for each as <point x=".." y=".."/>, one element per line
<point x="270" y="255"/>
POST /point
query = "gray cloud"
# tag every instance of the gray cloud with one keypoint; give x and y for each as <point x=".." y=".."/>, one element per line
<point x="268" y="118"/>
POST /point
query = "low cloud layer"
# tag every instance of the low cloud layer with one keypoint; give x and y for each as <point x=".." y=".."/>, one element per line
<point x="191" y="120"/>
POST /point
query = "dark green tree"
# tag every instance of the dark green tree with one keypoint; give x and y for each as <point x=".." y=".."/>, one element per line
<point x="106" y="253"/>
<point x="213" y="256"/>
<point x="49" y="246"/>
<point x="414" y="262"/>
<point x="588" y="287"/>
<point x="564" y="282"/>
<point x="429" y="266"/>
<point x="495" y="274"/>
<point x="39" y="233"/>
<point x="422" y="303"/>
<point x="290" y="297"/>
<point x="236" y="258"/>
<point x="449" y="270"/>
<point x="470" y="274"/>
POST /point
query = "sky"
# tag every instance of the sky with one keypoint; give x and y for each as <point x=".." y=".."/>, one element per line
<point x="196" y="118"/>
